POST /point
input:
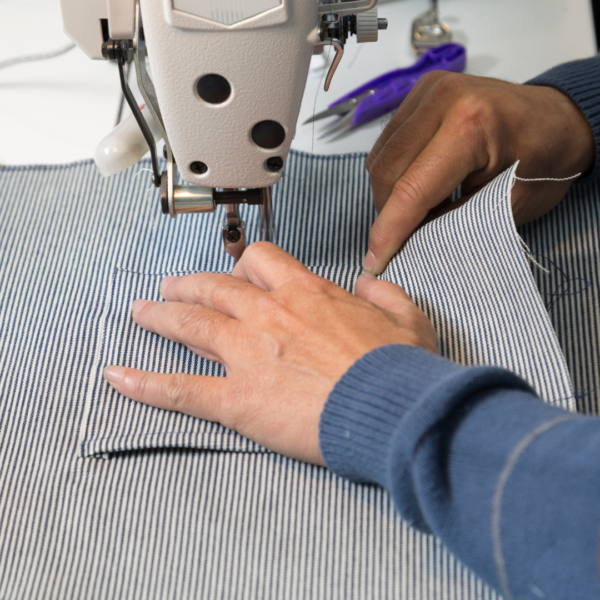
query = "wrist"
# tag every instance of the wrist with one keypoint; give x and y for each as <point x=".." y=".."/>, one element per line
<point x="580" y="149"/>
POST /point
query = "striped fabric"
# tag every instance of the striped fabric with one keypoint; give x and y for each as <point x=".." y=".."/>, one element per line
<point x="566" y="242"/>
<point x="104" y="498"/>
<point x="469" y="272"/>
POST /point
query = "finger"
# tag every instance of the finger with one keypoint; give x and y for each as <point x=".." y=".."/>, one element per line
<point x="445" y="207"/>
<point x="434" y="174"/>
<point x="400" y="151"/>
<point x="404" y="111"/>
<point x="232" y="296"/>
<point x="195" y="395"/>
<point x="386" y="295"/>
<point x="269" y="267"/>
<point x="204" y="331"/>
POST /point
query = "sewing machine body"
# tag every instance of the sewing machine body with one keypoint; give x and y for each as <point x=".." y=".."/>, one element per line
<point x="227" y="79"/>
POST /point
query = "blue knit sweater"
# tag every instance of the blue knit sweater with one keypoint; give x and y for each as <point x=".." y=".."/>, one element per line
<point x="472" y="456"/>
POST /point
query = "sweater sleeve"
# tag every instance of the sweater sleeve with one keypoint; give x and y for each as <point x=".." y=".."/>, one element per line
<point x="580" y="80"/>
<point x="508" y="483"/>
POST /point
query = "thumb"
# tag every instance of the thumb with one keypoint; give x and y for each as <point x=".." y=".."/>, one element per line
<point x="384" y="294"/>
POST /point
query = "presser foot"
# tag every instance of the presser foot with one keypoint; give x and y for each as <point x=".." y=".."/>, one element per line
<point x="234" y="232"/>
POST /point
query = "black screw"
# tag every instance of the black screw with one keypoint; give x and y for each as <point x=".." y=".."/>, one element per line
<point x="275" y="163"/>
<point x="165" y="151"/>
<point x="233" y="236"/>
<point x="198" y="167"/>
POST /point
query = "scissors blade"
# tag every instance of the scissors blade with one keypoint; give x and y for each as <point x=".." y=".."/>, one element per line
<point x="337" y="109"/>
<point x="342" y="123"/>
<point x="343" y="133"/>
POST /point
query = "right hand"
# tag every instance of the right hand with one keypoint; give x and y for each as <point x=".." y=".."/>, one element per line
<point x="459" y="129"/>
<point x="285" y="337"/>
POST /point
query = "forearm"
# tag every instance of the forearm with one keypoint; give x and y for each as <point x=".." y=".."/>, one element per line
<point x="580" y="80"/>
<point x="507" y="482"/>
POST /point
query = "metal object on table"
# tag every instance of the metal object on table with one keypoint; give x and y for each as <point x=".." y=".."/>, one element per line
<point x="428" y="31"/>
<point x="386" y="92"/>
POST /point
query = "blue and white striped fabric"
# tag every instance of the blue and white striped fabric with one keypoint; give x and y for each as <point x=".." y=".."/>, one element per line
<point x="185" y="509"/>
<point x="566" y="242"/>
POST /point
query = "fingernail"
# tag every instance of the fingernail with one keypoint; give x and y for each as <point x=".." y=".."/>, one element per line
<point x="164" y="283"/>
<point x="137" y="306"/>
<point x="369" y="263"/>
<point x="114" y="374"/>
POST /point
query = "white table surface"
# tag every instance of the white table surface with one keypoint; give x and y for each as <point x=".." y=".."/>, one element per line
<point x="57" y="110"/>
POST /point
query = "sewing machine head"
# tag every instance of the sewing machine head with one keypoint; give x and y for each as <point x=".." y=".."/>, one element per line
<point x="226" y="87"/>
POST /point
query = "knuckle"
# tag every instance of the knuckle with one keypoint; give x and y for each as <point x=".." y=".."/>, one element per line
<point x="379" y="236"/>
<point x="177" y="393"/>
<point x="140" y="385"/>
<point x="380" y="170"/>
<point x="471" y="109"/>
<point x="210" y="326"/>
<point x="233" y="406"/>
<point x="418" y="329"/>
<point x="215" y="295"/>
<point x="322" y="285"/>
<point x="472" y="115"/>
<point x="185" y="321"/>
<point x="445" y="83"/>
<point x="191" y="324"/>
<point x="407" y="191"/>
<point x="275" y="304"/>
<point x="255" y="251"/>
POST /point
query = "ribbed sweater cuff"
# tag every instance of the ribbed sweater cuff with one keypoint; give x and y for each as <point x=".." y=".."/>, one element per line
<point x="580" y="80"/>
<point x="388" y="400"/>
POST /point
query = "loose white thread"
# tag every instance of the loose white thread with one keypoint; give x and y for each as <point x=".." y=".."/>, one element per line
<point x="550" y="178"/>
<point x="529" y="255"/>
<point x="148" y="202"/>
<point x="149" y="171"/>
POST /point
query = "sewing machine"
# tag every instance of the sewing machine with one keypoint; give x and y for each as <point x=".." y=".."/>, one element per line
<point x="226" y="84"/>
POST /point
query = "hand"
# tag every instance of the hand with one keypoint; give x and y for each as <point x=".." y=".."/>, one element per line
<point x="285" y="337"/>
<point x="455" y="129"/>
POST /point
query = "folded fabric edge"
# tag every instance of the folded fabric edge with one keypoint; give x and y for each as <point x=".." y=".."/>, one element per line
<point x="516" y="246"/>
<point x="567" y="403"/>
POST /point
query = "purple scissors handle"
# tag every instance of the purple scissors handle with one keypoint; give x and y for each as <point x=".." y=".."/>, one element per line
<point x="393" y="87"/>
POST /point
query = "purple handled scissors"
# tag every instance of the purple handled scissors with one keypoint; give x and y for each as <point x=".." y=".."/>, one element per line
<point x="386" y="92"/>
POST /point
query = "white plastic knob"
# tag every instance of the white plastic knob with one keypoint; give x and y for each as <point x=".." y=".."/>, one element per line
<point x="367" y="26"/>
<point x="125" y="145"/>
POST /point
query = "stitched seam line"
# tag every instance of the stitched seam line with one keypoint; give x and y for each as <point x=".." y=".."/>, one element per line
<point x="499" y="491"/>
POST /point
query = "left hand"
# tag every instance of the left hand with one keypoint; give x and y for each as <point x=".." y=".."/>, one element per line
<point x="285" y="337"/>
<point x="459" y="129"/>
